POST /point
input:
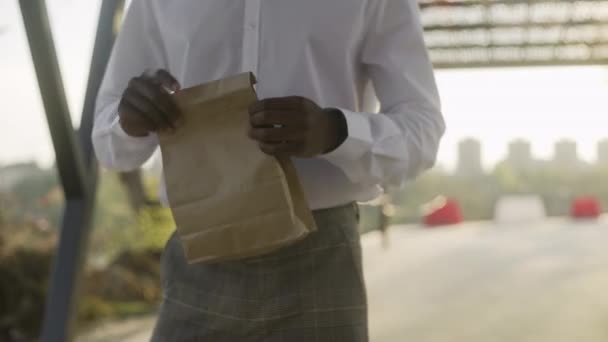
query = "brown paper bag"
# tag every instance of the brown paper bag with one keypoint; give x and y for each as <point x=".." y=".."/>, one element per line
<point x="229" y="200"/>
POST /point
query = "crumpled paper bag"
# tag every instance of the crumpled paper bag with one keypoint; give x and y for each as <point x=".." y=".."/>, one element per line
<point x="229" y="200"/>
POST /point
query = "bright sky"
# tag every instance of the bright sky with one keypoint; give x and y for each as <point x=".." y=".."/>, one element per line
<point x="539" y="104"/>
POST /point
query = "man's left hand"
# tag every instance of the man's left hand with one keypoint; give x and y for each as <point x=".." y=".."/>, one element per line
<point x="296" y="127"/>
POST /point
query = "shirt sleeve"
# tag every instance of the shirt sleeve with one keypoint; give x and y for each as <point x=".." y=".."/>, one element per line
<point x="401" y="140"/>
<point x="138" y="48"/>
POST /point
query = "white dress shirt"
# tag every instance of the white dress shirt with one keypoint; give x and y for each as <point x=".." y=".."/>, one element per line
<point x="365" y="57"/>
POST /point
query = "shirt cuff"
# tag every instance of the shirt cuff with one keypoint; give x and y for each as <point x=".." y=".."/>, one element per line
<point x="358" y="141"/>
<point x="116" y="128"/>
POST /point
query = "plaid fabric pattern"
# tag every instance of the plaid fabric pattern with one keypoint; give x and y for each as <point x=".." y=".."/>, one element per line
<point x="312" y="291"/>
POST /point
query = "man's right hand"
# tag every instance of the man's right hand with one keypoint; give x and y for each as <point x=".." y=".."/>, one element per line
<point x="147" y="106"/>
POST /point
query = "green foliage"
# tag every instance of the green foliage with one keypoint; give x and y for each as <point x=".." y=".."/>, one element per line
<point x="36" y="186"/>
<point x="155" y="223"/>
<point x="113" y="219"/>
<point x="155" y="226"/>
<point x="91" y="308"/>
<point x="116" y="227"/>
<point x="38" y="200"/>
<point x="37" y="203"/>
<point x="23" y="284"/>
<point x="29" y="225"/>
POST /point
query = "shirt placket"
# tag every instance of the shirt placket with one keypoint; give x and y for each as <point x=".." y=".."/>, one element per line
<point x="251" y="36"/>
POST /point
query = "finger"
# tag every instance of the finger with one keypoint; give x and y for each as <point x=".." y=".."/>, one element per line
<point x="281" y="149"/>
<point x="286" y="133"/>
<point x="160" y="99"/>
<point x="167" y="80"/>
<point x="130" y="117"/>
<point x="282" y="118"/>
<point x="145" y="109"/>
<point x="278" y="103"/>
<point x="152" y="89"/>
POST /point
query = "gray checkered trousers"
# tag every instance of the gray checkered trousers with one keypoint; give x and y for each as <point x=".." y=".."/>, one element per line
<point x="312" y="291"/>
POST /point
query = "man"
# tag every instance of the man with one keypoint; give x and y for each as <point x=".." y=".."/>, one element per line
<point x="321" y="66"/>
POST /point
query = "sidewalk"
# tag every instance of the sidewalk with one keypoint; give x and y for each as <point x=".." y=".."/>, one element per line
<point x="475" y="283"/>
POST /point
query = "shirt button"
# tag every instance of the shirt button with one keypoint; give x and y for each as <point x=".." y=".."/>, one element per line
<point x="252" y="26"/>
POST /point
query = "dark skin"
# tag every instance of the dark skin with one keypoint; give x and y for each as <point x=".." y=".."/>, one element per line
<point x="146" y="105"/>
<point x="288" y="126"/>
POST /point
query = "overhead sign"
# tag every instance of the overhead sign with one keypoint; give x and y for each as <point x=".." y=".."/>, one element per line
<point x="494" y="33"/>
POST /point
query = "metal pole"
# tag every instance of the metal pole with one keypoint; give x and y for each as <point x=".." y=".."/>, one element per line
<point x="69" y="158"/>
<point x="75" y="157"/>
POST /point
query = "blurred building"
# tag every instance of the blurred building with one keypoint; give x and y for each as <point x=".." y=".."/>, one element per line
<point x="602" y="152"/>
<point x="469" y="158"/>
<point x="519" y="155"/>
<point x="566" y="155"/>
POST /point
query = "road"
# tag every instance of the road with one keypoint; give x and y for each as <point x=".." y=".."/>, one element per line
<point x="479" y="282"/>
